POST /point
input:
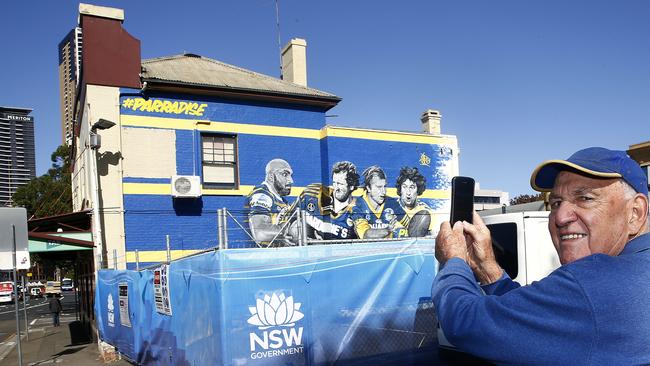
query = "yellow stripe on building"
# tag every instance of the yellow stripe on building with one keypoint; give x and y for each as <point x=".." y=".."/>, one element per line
<point x="146" y="188"/>
<point x="211" y="126"/>
<point x="253" y="129"/>
<point x="381" y="135"/>
<point x="429" y="193"/>
<point x="166" y="189"/>
<point x="158" y="255"/>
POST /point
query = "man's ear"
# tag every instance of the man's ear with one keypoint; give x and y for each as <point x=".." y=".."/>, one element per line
<point x="638" y="214"/>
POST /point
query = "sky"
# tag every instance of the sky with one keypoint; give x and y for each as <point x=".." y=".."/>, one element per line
<point x="517" y="81"/>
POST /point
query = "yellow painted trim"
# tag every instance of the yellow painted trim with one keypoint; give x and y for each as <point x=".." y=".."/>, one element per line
<point x="146" y="188"/>
<point x="242" y="191"/>
<point x="359" y="133"/>
<point x="212" y="126"/>
<point x="166" y="189"/>
<point x="253" y="129"/>
<point x="159" y="255"/>
<point x="429" y="193"/>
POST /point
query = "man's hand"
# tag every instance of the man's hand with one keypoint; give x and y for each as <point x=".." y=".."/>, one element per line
<point x="451" y="243"/>
<point x="480" y="252"/>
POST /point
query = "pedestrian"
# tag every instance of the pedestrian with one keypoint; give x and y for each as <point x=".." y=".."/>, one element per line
<point x="55" y="309"/>
<point x="593" y="309"/>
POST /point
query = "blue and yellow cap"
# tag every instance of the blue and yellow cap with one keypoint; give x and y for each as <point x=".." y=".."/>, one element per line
<point x="597" y="162"/>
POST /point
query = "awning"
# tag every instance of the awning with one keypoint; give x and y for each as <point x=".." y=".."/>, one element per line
<point x="59" y="242"/>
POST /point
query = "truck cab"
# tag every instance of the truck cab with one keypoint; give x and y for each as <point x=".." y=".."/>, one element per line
<point x="52" y="288"/>
<point x="522" y="245"/>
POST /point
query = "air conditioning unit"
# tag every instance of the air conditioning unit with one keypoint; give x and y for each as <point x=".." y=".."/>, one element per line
<point x="186" y="186"/>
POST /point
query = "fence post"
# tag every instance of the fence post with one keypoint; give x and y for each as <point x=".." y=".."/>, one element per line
<point x="169" y="253"/>
<point x="219" y="228"/>
<point x="114" y="258"/>
<point x="303" y="226"/>
<point x="137" y="260"/>
<point x="224" y="223"/>
<point x="299" y="227"/>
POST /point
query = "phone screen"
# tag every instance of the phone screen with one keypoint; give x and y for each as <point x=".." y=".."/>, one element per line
<point x="462" y="199"/>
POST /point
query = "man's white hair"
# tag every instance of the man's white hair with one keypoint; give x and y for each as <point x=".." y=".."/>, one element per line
<point x="628" y="194"/>
<point x="628" y="191"/>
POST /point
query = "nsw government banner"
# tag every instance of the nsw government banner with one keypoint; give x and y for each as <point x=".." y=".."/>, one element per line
<point x="295" y="306"/>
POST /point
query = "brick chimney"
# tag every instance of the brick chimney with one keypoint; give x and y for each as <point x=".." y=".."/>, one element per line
<point x="431" y="121"/>
<point x="111" y="56"/>
<point x="294" y="62"/>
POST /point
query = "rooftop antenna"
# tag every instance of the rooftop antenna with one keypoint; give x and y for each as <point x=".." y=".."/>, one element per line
<point x="277" y="22"/>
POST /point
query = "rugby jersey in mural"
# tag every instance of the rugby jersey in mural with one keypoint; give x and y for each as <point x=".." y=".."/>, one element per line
<point x="263" y="201"/>
<point x="385" y="216"/>
<point x="407" y="214"/>
<point x="323" y="223"/>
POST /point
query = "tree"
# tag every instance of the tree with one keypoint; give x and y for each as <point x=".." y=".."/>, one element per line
<point x="51" y="193"/>
<point x="526" y="198"/>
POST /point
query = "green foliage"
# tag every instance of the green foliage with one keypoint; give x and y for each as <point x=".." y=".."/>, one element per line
<point x="51" y="193"/>
<point x="526" y="198"/>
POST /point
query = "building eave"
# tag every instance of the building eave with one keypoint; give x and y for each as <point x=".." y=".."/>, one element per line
<point x="325" y="102"/>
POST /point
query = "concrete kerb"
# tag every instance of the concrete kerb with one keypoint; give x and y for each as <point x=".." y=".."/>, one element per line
<point x="7" y="346"/>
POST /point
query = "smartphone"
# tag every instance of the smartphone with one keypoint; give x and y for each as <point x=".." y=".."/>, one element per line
<point x="462" y="199"/>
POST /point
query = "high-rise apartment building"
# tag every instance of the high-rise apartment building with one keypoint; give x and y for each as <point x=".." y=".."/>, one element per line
<point x="17" y="163"/>
<point x="69" y="71"/>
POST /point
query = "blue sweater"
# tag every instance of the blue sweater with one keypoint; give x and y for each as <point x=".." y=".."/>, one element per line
<point x="594" y="311"/>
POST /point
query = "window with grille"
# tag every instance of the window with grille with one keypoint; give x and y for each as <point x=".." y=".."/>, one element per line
<point x="219" y="161"/>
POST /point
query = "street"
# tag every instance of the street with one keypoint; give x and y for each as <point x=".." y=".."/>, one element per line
<point x="38" y="315"/>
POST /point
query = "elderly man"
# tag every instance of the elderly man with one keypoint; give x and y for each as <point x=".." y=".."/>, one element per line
<point x="268" y="209"/>
<point x="594" y="309"/>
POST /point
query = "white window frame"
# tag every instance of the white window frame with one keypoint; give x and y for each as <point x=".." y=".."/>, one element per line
<point x="219" y="157"/>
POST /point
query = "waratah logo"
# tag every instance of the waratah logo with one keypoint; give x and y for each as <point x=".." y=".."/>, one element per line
<point x="275" y="310"/>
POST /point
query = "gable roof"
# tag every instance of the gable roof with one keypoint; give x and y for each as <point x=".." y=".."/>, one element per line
<point x="190" y="70"/>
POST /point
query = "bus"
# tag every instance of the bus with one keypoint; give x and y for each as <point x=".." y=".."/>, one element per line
<point x="67" y="284"/>
<point x="6" y="291"/>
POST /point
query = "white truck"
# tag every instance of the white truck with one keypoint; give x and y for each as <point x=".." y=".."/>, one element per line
<point x="522" y="246"/>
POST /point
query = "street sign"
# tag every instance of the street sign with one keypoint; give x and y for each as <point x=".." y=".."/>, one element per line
<point x="29" y="274"/>
<point x="13" y="217"/>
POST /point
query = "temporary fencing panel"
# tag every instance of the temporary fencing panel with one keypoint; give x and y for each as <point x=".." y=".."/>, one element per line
<point x="313" y="305"/>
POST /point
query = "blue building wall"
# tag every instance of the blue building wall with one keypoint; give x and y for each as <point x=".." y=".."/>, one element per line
<point x="264" y="131"/>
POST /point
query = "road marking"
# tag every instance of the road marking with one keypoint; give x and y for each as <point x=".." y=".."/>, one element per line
<point x="20" y="308"/>
<point x="33" y="321"/>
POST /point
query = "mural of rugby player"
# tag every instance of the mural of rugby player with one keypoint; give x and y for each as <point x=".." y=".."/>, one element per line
<point x="415" y="215"/>
<point x="329" y="209"/>
<point x="268" y="208"/>
<point x="374" y="215"/>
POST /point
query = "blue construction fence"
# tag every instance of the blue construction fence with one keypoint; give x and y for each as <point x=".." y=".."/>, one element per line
<point x="312" y="305"/>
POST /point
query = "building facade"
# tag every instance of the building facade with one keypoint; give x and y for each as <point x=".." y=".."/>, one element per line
<point x="70" y="49"/>
<point x="17" y="159"/>
<point x="486" y="199"/>
<point x="185" y="136"/>
<point x="641" y="153"/>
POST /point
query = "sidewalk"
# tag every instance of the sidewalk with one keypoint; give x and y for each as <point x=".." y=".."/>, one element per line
<point x="66" y="344"/>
